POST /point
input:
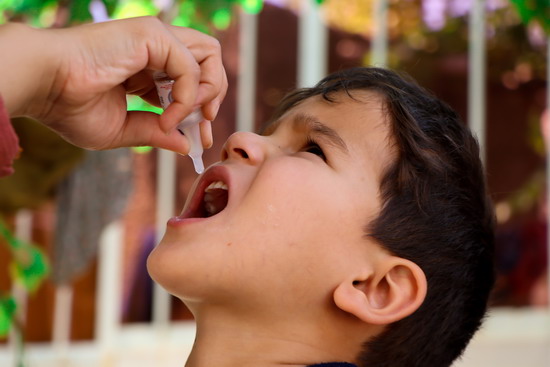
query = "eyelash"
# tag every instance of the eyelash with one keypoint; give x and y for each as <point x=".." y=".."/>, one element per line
<point x="313" y="147"/>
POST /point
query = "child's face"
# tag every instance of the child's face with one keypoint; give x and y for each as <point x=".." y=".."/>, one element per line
<point x="294" y="223"/>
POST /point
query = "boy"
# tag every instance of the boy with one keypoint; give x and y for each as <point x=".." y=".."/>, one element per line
<point x="356" y="229"/>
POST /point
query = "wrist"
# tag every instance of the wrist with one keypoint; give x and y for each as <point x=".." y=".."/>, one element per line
<point x="27" y="69"/>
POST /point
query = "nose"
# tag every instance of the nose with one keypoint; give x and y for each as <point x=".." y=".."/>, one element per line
<point x="247" y="147"/>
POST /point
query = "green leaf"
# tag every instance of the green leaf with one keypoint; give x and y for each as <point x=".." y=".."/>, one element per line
<point x="186" y="13"/>
<point x="252" y="6"/>
<point x="7" y="4"/>
<point x="135" y="8"/>
<point x="137" y="104"/>
<point x="534" y="10"/>
<point x="181" y="21"/>
<point x="8" y="307"/>
<point x="29" y="267"/>
<point x="80" y="11"/>
<point x="32" y="9"/>
<point x="110" y="5"/>
<point x="13" y="242"/>
<point x="221" y="18"/>
<point x="142" y="150"/>
<point x="28" y="6"/>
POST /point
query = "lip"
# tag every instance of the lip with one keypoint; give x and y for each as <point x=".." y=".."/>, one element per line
<point x="212" y="174"/>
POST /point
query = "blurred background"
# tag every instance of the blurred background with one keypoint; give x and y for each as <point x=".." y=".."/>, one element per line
<point x="76" y="227"/>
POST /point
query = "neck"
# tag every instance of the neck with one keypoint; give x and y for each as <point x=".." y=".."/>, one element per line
<point x="225" y="341"/>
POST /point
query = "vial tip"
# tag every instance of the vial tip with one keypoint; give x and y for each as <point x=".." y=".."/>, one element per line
<point x="198" y="164"/>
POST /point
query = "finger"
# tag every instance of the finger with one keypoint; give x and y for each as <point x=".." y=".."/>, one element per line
<point x="142" y="129"/>
<point x="169" y="54"/>
<point x="212" y="87"/>
<point x="207" y="52"/>
<point x="139" y="83"/>
<point x="152" y="97"/>
<point x="210" y="109"/>
<point x="212" y="76"/>
<point x="184" y="93"/>
<point x="206" y="134"/>
<point x="142" y="85"/>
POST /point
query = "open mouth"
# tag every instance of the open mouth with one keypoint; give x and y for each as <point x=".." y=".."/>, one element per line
<point x="210" y="197"/>
<point x="215" y="198"/>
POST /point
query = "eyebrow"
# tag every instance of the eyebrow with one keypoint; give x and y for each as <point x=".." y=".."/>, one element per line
<point x="311" y="124"/>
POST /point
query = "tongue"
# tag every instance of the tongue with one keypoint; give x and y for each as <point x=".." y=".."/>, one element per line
<point x="215" y="200"/>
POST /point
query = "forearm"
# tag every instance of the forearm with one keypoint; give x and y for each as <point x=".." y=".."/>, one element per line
<point x="27" y="68"/>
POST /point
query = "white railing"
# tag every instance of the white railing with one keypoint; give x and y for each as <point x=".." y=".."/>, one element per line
<point x="477" y="75"/>
<point x="510" y="338"/>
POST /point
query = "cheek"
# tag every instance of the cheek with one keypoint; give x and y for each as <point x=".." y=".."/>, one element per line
<point x="284" y="195"/>
<point x="293" y="205"/>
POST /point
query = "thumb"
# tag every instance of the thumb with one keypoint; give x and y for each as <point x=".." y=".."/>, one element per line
<point x="143" y="129"/>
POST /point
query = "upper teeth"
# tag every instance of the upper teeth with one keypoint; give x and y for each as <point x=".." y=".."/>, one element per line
<point x="216" y="185"/>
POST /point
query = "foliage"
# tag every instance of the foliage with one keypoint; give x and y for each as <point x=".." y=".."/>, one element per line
<point x="418" y="31"/>
<point x="29" y="268"/>
<point x="415" y="27"/>
<point x="7" y="314"/>
<point x="534" y="10"/>
<point x="198" y="14"/>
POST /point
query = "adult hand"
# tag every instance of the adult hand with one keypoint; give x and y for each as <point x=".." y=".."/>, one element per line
<point x="75" y="80"/>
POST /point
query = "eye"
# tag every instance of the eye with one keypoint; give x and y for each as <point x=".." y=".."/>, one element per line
<point x="314" y="148"/>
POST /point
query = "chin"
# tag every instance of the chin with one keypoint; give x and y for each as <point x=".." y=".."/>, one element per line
<point x="161" y="269"/>
<point x="154" y="267"/>
<point x="179" y="278"/>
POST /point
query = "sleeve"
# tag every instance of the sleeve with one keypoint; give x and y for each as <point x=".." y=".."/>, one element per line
<point x="9" y="143"/>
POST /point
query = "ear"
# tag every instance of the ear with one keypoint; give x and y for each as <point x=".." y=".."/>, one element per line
<point x="390" y="292"/>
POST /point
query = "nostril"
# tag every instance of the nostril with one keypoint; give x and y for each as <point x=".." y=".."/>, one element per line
<point x="241" y="152"/>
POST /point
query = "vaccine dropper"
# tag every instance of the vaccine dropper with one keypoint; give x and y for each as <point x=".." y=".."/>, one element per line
<point x="189" y="126"/>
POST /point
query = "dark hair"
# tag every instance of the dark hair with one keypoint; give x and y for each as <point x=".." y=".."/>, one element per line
<point x="435" y="212"/>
